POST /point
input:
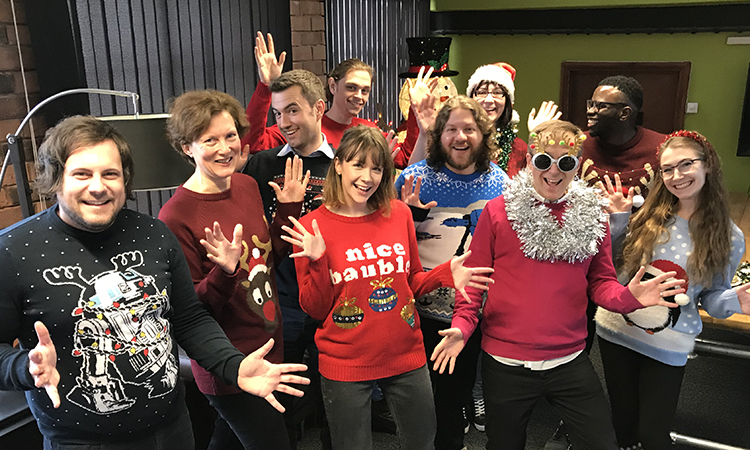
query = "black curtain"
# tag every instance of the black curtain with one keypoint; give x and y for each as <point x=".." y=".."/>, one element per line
<point x="156" y="48"/>
<point x="375" y="31"/>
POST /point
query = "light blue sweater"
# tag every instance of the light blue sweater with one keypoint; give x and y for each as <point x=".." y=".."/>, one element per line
<point x="653" y="331"/>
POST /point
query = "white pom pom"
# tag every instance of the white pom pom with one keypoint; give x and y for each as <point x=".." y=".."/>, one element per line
<point x="681" y="299"/>
<point x="637" y="201"/>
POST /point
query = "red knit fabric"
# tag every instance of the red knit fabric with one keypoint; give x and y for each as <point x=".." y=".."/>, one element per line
<point x="260" y="137"/>
<point x="367" y="259"/>
<point x="630" y="159"/>
<point x="536" y="310"/>
<point x="231" y="299"/>
<point x="517" y="159"/>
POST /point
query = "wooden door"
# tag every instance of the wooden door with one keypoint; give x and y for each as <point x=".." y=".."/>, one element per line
<point x="665" y="88"/>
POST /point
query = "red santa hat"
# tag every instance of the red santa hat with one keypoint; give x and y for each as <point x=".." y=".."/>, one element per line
<point x="499" y="73"/>
<point x="661" y="266"/>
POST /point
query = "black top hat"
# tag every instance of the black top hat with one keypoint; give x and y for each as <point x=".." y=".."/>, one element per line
<point x="429" y="52"/>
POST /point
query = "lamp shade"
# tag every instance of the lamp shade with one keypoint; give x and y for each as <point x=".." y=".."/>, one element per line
<point x="157" y="164"/>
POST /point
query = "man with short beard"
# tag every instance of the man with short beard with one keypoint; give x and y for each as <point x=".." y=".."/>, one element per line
<point x="98" y="297"/>
<point x="617" y="144"/>
<point x="447" y="192"/>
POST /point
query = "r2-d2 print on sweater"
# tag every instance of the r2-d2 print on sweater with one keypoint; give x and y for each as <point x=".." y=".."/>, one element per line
<point x="121" y="334"/>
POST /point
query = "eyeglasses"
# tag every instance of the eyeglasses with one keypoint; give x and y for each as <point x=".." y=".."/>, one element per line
<point x="597" y="105"/>
<point x="685" y="167"/>
<point x="482" y="93"/>
<point x="565" y="163"/>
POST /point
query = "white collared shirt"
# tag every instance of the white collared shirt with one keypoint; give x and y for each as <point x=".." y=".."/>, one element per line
<point x="538" y="365"/>
<point x="324" y="150"/>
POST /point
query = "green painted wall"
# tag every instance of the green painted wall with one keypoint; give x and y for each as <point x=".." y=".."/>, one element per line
<point x="454" y="5"/>
<point x="717" y="80"/>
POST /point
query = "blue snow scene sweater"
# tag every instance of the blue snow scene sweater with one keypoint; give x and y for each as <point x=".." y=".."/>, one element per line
<point x="446" y="230"/>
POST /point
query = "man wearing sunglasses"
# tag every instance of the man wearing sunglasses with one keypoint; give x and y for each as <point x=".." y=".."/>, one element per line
<point x="616" y="143"/>
<point x="548" y="240"/>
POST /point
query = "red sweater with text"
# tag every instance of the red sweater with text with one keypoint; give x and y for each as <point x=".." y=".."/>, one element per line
<point x="245" y="304"/>
<point x="536" y="310"/>
<point x="362" y="290"/>
<point x="260" y="137"/>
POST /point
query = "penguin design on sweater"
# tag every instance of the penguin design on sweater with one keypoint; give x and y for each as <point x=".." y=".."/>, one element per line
<point x="653" y="319"/>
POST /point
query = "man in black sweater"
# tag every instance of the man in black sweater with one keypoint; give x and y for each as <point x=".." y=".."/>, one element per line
<point x="97" y="297"/>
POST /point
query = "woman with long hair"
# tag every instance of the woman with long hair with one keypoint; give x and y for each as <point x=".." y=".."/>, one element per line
<point x="233" y="274"/>
<point x="684" y="226"/>
<point x="359" y="274"/>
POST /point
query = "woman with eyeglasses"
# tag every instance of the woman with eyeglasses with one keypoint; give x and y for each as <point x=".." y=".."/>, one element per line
<point x="548" y="242"/>
<point x="217" y="216"/>
<point x="492" y="86"/>
<point x="684" y="226"/>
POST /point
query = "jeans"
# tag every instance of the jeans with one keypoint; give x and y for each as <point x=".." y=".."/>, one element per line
<point x="452" y="391"/>
<point x="510" y="393"/>
<point x="644" y="395"/>
<point x="409" y="396"/>
<point x="177" y="435"/>
<point x="253" y="423"/>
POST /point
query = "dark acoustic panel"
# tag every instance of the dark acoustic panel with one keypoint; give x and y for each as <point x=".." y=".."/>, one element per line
<point x="375" y="31"/>
<point x="156" y="48"/>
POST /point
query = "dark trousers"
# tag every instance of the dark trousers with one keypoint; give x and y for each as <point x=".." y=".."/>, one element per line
<point x="409" y="397"/>
<point x="643" y="393"/>
<point x="247" y="422"/>
<point x="177" y="435"/>
<point x="452" y="392"/>
<point x="511" y="392"/>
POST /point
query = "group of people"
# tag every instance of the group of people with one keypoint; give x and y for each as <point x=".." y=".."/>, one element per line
<point x="483" y="249"/>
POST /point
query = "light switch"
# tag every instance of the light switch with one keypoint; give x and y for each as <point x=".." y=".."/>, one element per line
<point x="692" y="107"/>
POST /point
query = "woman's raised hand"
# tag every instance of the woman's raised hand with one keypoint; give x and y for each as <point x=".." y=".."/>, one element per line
<point x="547" y="111"/>
<point x="295" y="185"/>
<point x="653" y="291"/>
<point x="221" y="252"/>
<point x="312" y="244"/>
<point x="469" y="276"/>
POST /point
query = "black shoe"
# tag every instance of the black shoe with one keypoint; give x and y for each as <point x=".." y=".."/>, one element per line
<point x="382" y="419"/>
<point x="559" y="440"/>
<point x="467" y="423"/>
<point x="480" y="421"/>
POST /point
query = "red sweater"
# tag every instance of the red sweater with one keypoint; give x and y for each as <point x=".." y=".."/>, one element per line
<point x="362" y="290"/>
<point x="536" y="310"/>
<point x="260" y="137"/>
<point x="244" y="304"/>
<point x="517" y="159"/>
<point x="634" y="160"/>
